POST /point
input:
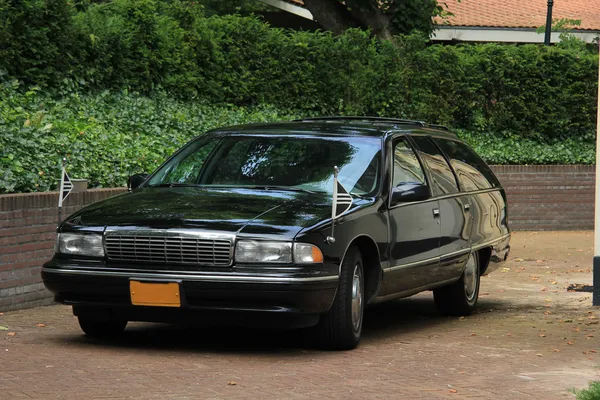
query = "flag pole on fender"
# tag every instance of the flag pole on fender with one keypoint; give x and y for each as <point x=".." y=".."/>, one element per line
<point x="65" y="188"/>
<point x="342" y="201"/>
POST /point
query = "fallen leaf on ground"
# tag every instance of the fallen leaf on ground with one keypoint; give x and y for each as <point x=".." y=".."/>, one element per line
<point x="11" y="334"/>
<point x="509" y="334"/>
<point x="544" y="289"/>
<point x="570" y="343"/>
<point x="452" y="390"/>
<point x="473" y="334"/>
<point x="539" y="355"/>
<point x="593" y="351"/>
<point x="231" y="383"/>
<point x="542" y="335"/>
<point x="556" y="350"/>
<point x="547" y="312"/>
<point x="576" y="329"/>
<point x="484" y="294"/>
<point x="461" y="372"/>
<point x="592" y="317"/>
<point x="41" y="325"/>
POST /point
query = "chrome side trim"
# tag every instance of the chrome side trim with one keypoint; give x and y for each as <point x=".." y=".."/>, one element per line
<point x="455" y="253"/>
<point x="195" y="277"/>
<point x="490" y="242"/>
<point x="412" y="264"/>
<point x="447" y="255"/>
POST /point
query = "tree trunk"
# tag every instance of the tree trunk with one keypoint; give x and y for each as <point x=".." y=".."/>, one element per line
<point x="331" y="15"/>
<point x="370" y="15"/>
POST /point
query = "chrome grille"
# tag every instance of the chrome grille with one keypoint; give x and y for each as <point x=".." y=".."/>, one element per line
<point x="169" y="250"/>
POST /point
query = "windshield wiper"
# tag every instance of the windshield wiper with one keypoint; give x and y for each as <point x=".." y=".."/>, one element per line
<point x="173" y="185"/>
<point x="284" y="188"/>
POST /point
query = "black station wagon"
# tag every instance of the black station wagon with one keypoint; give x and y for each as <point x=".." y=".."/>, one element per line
<point x="303" y="223"/>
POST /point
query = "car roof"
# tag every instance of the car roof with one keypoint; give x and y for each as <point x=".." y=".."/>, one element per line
<point x="353" y="126"/>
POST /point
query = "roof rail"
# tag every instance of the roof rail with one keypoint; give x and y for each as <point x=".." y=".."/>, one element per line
<point x="374" y="119"/>
<point x="358" y="118"/>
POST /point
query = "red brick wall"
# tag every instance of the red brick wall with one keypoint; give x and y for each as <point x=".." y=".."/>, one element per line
<point x="539" y="197"/>
<point x="27" y="236"/>
<point x="549" y="197"/>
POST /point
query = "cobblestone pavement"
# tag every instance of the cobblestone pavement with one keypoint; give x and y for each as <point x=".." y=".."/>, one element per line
<point x="531" y="338"/>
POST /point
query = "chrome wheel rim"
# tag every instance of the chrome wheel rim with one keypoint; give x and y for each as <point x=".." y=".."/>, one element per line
<point x="470" y="278"/>
<point x="357" y="297"/>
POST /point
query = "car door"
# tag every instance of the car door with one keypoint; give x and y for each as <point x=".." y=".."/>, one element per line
<point x="414" y="227"/>
<point x="479" y="182"/>
<point x="455" y="209"/>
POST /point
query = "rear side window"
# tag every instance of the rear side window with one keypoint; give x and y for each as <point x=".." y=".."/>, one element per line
<point x="406" y="165"/>
<point x="473" y="173"/>
<point x="444" y="181"/>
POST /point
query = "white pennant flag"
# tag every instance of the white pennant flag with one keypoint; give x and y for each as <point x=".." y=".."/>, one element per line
<point x="65" y="187"/>
<point x="342" y="201"/>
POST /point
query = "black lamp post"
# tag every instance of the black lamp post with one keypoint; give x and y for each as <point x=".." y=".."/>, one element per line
<point x="548" y="23"/>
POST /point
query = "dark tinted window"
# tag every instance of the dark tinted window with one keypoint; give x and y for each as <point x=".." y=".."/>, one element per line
<point x="444" y="181"/>
<point x="473" y="173"/>
<point x="406" y="165"/>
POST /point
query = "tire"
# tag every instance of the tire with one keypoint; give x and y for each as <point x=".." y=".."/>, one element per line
<point x="460" y="298"/>
<point x="101" y="329"/>
<point x="340" y="328"/>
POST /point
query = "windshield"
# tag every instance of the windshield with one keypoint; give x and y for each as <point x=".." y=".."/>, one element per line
<point x="281" y="162"/>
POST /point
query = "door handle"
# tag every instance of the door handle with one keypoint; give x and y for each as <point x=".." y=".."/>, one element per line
<point x="436" y="213"/>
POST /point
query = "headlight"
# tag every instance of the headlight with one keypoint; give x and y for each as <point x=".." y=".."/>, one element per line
<point x="250" y="251"/>
<point x="80" y="244"/>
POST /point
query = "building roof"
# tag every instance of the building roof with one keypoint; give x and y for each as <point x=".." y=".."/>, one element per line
<point x="516" y="13"/>
<point x="522" y="13"/>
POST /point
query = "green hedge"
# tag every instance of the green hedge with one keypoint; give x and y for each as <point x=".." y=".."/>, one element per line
<point x="105" y="137"/>
<point x="108" y="136"/>
<point x="534" y="92"/>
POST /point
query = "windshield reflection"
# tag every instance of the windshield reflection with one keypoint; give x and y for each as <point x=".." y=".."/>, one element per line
<point x="270" y="162"/>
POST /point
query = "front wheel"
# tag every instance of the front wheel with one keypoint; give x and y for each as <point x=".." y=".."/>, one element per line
<point x="460" y="298"/>
<point x="340" y="328"/>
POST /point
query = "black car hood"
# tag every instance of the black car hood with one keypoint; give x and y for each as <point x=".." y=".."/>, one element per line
<point x="270" y="213"/>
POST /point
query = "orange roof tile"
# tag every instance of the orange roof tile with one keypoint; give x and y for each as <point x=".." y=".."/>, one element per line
<point x="518" y="13"/>
<point x="522" y="13"/>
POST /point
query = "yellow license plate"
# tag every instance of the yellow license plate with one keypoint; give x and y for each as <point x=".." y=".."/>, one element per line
<point x="157" y="294"/>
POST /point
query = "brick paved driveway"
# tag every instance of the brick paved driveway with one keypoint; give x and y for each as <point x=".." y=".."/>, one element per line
<point x="530" y="339"/>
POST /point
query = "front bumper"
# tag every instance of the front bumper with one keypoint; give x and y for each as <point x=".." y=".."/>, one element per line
<point x="89" y="286"/>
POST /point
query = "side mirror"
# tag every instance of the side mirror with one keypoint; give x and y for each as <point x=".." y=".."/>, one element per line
<point x="410" y="191"/>
<point x="136" y="180"/>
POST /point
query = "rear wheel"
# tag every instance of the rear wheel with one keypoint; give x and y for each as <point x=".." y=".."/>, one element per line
<point x="99" y="328"/>
<point x="340" y="328"/>
<point x="460" y="298"/>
